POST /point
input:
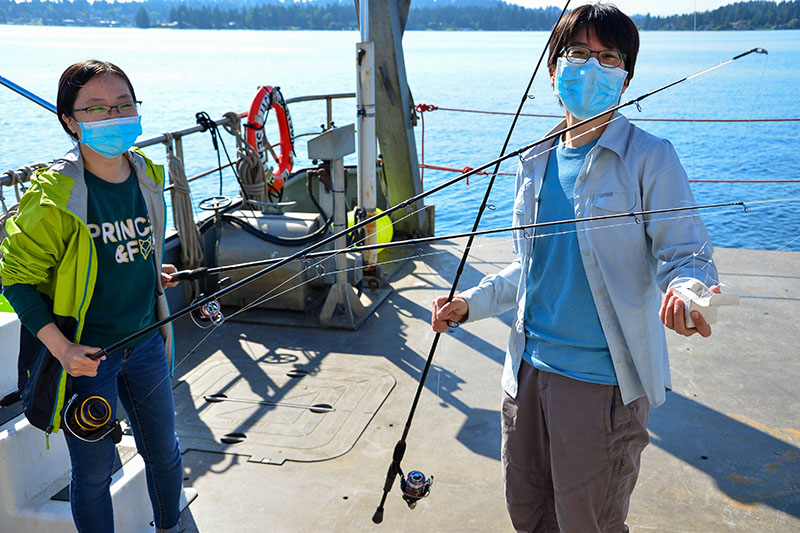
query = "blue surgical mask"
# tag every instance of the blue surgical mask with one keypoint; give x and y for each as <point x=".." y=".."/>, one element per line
<point x="588" y="89"/>
<point x="111" y="137"/>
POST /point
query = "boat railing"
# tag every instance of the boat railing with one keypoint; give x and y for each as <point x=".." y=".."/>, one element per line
<point x="14" y="178"/>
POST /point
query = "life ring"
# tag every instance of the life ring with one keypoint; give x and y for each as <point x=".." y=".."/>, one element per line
<point x="271" y="98"/>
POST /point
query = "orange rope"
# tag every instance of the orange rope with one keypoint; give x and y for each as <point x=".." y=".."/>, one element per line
<point x="463" y="170"/>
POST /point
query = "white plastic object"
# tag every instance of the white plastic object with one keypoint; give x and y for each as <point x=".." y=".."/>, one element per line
<point x="697" y="297"/>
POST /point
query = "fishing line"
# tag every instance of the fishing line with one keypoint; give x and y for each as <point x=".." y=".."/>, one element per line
<point x="203" y="272"/>
<point x="737" y="170"/>
<point x="429" y="240"/>
<point x="788" y="243"/>
<point x="495" y="242"/>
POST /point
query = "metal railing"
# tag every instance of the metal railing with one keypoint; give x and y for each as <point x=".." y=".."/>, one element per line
<point x="21" y="176"/>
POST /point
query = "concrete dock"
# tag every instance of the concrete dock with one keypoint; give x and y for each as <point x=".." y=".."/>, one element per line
<point x="724" y="452"/>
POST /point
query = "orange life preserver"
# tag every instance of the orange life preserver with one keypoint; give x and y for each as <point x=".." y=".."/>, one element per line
<point x="271" y="98"/>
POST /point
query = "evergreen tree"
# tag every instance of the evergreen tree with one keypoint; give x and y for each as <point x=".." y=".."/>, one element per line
<point x="142" y="18"/>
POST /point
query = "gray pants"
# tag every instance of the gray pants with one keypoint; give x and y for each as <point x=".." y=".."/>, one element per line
<point x="571" y="453"/>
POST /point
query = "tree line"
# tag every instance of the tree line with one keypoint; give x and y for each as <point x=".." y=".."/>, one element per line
<point x="341" y="15"/>
<point x="758" y="15"/>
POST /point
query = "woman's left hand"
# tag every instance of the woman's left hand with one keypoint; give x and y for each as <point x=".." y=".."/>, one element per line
<point x="166" y="276"/>
<point x="672" y="314"/>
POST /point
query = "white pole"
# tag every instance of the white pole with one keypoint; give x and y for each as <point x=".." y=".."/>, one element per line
<point x="363" y="8"/>
<point x="367" y="142"/>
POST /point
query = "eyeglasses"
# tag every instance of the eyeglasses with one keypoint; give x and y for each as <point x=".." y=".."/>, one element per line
<point x="580" y="55"/>
<point x="127" y="109"/>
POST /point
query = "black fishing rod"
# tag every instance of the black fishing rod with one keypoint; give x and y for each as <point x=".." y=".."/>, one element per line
<point x="203" y="272"/>
<point x="421" y="488"/>
<point x="404" y="204"/>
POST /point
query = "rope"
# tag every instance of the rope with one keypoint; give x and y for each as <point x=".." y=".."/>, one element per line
<point x="188" y="234"/>
<point x="463" y="170"/>
<point x="422" y="108"/>
<point x="253" y="178"/>
<point x="426" y="107"/>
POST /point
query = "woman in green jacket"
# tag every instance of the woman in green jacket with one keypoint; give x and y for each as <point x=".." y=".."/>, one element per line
<point x="82" y="268"/>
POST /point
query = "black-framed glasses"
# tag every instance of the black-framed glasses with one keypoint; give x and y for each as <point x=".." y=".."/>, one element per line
<point x="580" y="55"/>
<point x="126" y="109"/>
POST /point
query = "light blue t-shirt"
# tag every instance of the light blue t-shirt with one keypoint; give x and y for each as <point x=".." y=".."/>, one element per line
<point x="563" y="332"/>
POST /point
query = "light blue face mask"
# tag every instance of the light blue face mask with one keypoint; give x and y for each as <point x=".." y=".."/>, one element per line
<point x="111" y="137"/>
<point x="588" y="89"/>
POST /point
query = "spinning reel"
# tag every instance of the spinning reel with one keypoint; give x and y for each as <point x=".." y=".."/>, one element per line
<point x="211" y="311"/>
<point x="415" y="487"/>
<point x="208" y="312"/>
<point x="90" y="420"/>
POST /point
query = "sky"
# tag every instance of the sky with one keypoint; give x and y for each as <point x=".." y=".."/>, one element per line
<point x="639" y="7"/>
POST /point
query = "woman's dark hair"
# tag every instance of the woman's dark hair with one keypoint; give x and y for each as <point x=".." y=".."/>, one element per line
<point x="612" y="27"/>
<point x="75" y="77"/>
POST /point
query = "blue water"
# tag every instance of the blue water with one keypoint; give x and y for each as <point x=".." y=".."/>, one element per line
<point x="179" y="72"/>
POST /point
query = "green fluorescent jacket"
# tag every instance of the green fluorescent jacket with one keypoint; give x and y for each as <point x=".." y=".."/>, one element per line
<point x="49" y="244"/>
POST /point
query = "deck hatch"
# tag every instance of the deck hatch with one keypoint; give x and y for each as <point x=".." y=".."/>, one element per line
<point x="315" y="418"/>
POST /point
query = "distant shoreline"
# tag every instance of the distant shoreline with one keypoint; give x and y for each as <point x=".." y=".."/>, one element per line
<point x="479" y="15"/>
<point x="445" y="30"/>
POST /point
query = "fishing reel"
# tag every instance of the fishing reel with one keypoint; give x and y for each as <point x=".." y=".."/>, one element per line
<point x="211" y="311"/>
<point x="90" y="420"/>
<point x="414" y="487"/>
<point x="208" y="312"/>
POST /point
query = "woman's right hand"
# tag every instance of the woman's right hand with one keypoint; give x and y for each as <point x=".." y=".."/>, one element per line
<point x="445" y="312"/>
<point x="75" y="360"/>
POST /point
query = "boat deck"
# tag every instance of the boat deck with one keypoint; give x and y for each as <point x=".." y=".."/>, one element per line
<point x="724" y="453"/>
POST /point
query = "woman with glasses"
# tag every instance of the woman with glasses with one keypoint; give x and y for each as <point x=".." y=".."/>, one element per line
<point x="587" y="356"/>
<point x="82" y="268"/>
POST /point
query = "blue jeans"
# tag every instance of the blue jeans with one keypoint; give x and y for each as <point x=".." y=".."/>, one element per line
<point x="140" y="377"/>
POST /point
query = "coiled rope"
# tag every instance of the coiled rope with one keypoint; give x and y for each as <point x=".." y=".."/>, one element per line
<point x="253" y="177"/>
<point x="182" y="215"/>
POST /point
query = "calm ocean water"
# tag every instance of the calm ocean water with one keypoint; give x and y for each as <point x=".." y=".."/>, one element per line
<point x="180" y="72"/>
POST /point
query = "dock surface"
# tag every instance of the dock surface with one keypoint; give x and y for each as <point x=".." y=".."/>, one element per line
<point x="724" y="452"/>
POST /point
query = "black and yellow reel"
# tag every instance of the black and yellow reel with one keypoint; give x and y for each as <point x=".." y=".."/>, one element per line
<point x="90" y="420"/>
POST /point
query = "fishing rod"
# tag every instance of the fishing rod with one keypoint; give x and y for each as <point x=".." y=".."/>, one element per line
<point x="203" y="272"/>
<point x="27" y="94"/>
<point x="420" y="489"/>
<point x="211" y="298"/>
<point x="415" y="486"/>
